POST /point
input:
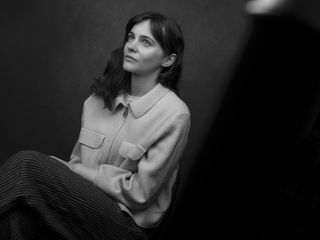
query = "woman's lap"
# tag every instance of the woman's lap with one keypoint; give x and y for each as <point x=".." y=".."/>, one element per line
<point x="66" y="202"/>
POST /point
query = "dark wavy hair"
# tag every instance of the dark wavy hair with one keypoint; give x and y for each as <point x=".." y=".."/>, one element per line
<point x="115" y="80"/>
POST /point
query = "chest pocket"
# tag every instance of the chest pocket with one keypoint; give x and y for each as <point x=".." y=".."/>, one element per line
<point x="90" y="138"/>
<point x="90" y="143"/>
<point x="131" y="154"/>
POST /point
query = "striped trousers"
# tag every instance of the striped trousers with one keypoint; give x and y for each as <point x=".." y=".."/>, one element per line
<point x="41" y="198"/>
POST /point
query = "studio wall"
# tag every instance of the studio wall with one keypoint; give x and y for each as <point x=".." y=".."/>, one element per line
<point x="52" y="50"/>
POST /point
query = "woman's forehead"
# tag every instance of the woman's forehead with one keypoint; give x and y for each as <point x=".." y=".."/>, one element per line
<point x="142" y="28"/>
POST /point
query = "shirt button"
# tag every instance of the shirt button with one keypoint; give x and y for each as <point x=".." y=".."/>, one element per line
<point x="125" y="113"/>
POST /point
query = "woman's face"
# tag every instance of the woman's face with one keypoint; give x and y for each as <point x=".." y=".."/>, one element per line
<point x="142" y="53"/>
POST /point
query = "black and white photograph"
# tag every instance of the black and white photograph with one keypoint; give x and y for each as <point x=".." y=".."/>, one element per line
<point x="160" y="120"/>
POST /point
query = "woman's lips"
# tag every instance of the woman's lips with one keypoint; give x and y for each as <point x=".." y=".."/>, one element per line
<point x="130" y="58"/>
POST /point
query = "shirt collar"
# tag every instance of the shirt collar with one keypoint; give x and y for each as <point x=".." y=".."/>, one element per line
<point x="145" y="103"/>
<point x="120" y="99"/>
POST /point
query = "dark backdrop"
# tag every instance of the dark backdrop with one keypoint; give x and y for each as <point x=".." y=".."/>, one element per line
<point x="50" y="51"/>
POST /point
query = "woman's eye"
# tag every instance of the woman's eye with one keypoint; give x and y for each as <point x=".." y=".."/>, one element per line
<point x="130" y="38"/>
<point x="146" y="43"/>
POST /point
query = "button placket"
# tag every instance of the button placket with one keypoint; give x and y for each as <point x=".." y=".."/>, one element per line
<point x="125" y="117"/>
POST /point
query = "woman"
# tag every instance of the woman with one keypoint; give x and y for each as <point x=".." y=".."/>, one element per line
<point x="119" y="180"/>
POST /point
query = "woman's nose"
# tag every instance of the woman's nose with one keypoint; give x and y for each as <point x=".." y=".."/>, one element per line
<point x="132" y="47"/>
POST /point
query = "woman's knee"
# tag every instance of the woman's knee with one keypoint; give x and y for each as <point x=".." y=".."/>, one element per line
<point x="26" y="156"/>
<point x="26" y="153"/>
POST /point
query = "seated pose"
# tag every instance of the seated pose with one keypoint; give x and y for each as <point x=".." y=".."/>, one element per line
<point x="118" y="183"/>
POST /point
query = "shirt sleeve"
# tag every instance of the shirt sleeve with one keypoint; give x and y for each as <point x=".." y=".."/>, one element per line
<point x="75" y="157"/>
<point x="136" y="190"/>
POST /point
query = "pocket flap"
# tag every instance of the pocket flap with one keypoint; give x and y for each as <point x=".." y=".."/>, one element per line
<point x="90" y="138"/>
<point x="132" y="151"/>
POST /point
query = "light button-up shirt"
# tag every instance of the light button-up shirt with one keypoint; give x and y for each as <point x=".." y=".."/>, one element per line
<point x="132" y="151"/>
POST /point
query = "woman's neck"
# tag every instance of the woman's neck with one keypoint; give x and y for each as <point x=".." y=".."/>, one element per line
<point x="141" y="84"/>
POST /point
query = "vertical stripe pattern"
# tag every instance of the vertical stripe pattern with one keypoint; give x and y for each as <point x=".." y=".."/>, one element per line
<point x="40" y="196"/>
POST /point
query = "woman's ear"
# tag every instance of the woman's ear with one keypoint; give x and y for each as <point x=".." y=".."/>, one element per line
<point x="169" y="60"/>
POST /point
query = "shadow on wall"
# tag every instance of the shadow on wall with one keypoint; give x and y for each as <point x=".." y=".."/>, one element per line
<point x="257" y="175"/>
<point x="51" y="51"/>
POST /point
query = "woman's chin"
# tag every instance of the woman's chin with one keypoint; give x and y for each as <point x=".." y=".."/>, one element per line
<point x="128" y="67"/>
